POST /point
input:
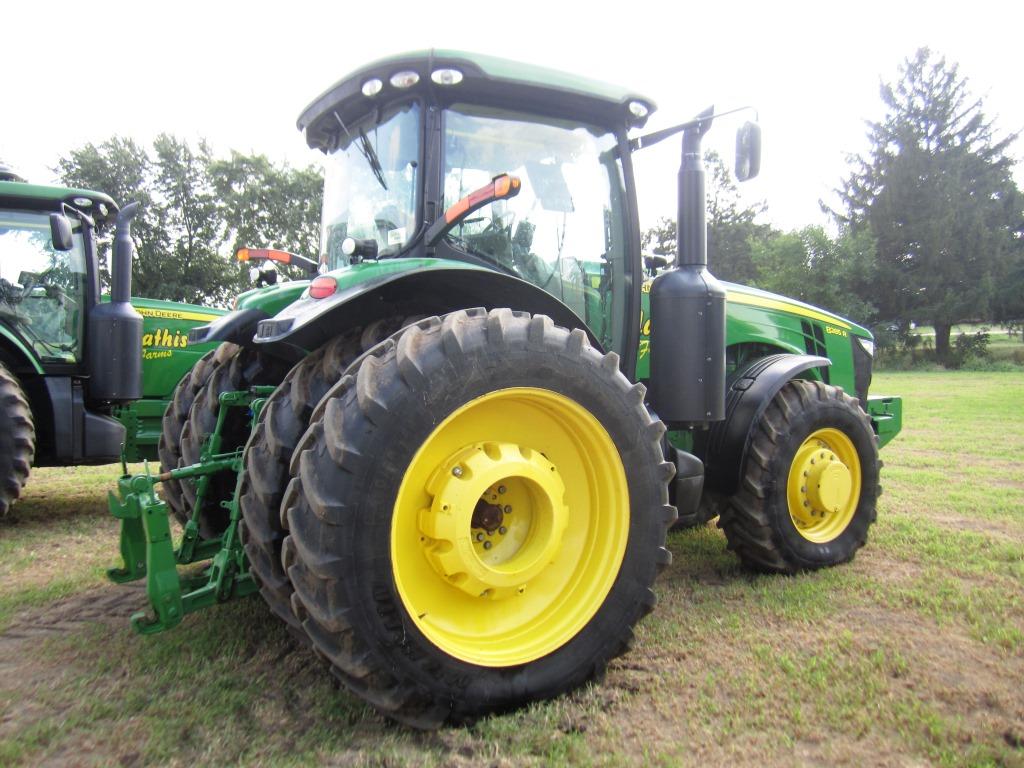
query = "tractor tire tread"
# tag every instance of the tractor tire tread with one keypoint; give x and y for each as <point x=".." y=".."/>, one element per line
<point x="750" y="518"/>
<point x="17" y="440"/>
<point x="357" y="623"/>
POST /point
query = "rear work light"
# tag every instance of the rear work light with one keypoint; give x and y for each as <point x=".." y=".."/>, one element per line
<point x="322" y="287"/>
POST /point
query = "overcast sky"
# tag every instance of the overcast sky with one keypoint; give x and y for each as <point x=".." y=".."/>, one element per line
<point x="238" y="74"/>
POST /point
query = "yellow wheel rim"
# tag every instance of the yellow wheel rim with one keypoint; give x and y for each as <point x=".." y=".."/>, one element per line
<point x="824" y="484"/>
<point x="510" y="527"/>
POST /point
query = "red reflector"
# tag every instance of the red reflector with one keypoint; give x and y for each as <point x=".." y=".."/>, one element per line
<point x="322" y="287"/>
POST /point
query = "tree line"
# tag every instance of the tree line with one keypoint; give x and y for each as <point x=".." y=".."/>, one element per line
<point x="929" y="228"/>
<point x="197" y="209"/>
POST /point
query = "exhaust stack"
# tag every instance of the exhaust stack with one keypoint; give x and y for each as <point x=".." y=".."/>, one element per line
<point x="115" y="328"/>
<point x="687" y="384"/>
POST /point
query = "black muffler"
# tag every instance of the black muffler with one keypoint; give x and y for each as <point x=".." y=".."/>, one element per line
<point x="687" y="384"/>
<point x="115" y="328"/>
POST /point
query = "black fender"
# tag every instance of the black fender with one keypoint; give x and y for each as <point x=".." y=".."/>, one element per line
<point x="238" y="327"/>
<point x="724" y="446"/>
<point x="309" y="323"/>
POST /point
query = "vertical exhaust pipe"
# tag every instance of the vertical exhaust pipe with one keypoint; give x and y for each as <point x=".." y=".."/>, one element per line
<point x="115" y="328"/>
<point x="687" y="384"/>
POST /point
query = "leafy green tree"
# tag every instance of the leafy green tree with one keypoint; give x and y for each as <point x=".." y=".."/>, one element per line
<point x="732" y="227"/>
<point x="196" y="209"/>
<point x="936" y="192"/>
<point x="121" y="168"/>
<point x="192" y="269"/>
<point x="835" y="273"/>
<point x="269" y="206"/>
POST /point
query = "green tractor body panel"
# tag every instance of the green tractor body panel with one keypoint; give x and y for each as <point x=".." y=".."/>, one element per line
<point x="167" y="356"/>
<point x="272" y="298"/>
<point x="759" y="321"/>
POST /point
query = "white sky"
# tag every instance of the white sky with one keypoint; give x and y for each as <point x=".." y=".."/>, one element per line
<point x="238" y="73"/>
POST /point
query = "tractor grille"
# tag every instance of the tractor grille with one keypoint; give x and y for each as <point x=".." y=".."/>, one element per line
<point x="814" y="343"/>
<point x="861" y="371"/>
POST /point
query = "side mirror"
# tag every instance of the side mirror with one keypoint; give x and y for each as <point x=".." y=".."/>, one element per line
<point x="60" y="232"/>
<point x="748" y="151"/>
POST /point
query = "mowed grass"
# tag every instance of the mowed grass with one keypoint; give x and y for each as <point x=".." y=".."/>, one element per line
<point x="911" y="655"/>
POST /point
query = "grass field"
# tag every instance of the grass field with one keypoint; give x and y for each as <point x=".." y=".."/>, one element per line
<point x="911" y="655"/>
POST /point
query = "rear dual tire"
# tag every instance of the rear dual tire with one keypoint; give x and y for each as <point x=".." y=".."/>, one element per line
<point x="387" y="544"/>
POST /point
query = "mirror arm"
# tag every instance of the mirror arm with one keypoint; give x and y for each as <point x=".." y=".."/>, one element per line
<point x="650" y="139"/>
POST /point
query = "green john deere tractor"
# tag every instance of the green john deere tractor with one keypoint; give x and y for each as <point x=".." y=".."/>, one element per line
<point x="69" y="358"/>
<point x="449" y="461"/>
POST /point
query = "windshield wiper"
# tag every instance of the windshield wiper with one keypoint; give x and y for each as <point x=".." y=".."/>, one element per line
<point x="366" y="150"/>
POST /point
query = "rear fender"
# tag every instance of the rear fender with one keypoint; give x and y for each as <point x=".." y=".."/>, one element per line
<point x="238" y="327"/>
<point x="422" y="289"/>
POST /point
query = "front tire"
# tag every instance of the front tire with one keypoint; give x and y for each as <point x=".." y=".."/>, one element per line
<point x="477" y="514"/>
<point x="810" y="482"/>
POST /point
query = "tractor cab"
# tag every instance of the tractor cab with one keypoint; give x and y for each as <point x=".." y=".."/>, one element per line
<point x="42" y="288"/>
<point x="416" y="140"/>
<point x="45" y="252"/>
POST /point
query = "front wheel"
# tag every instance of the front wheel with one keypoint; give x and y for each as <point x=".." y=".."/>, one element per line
<point x="810" y="482"/>
<point x="478" y="514"/>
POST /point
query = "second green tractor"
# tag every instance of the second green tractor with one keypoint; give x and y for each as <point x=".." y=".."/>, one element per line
<point x="449" y="461"/>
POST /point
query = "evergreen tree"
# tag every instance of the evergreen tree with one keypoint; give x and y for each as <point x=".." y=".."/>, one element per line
<point x="936" y="193"/>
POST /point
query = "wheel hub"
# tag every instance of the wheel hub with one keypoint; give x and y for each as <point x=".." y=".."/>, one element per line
<point x="496" y="518"/>
<point x="824" y="485"/>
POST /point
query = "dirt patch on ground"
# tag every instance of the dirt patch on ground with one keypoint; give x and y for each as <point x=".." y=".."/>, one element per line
<point x="22" y="671"/>
<point x="1001" y="529"/>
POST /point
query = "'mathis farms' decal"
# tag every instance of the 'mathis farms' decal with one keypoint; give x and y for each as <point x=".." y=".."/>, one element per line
<point x="165" y="340"/>
<point x="161" y="341"/>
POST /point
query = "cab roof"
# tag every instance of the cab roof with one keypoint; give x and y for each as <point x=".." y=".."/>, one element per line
<point x="17" y="194"/>
<point x="485" y="80"/>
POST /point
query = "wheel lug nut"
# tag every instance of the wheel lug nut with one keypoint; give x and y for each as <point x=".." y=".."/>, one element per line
<point x="479" y="537"/>
<point x="508" y="509"/>
<point x="457" y="471"/>
<point x="487" y="545"/>
<point x="503" y="530"/>
<point x="501" y="489"/>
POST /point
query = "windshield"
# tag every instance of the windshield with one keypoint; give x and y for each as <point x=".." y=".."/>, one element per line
<point x="370" y="185"/>
<point x="564" y="231"/>
<point x="42" y="290"/>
